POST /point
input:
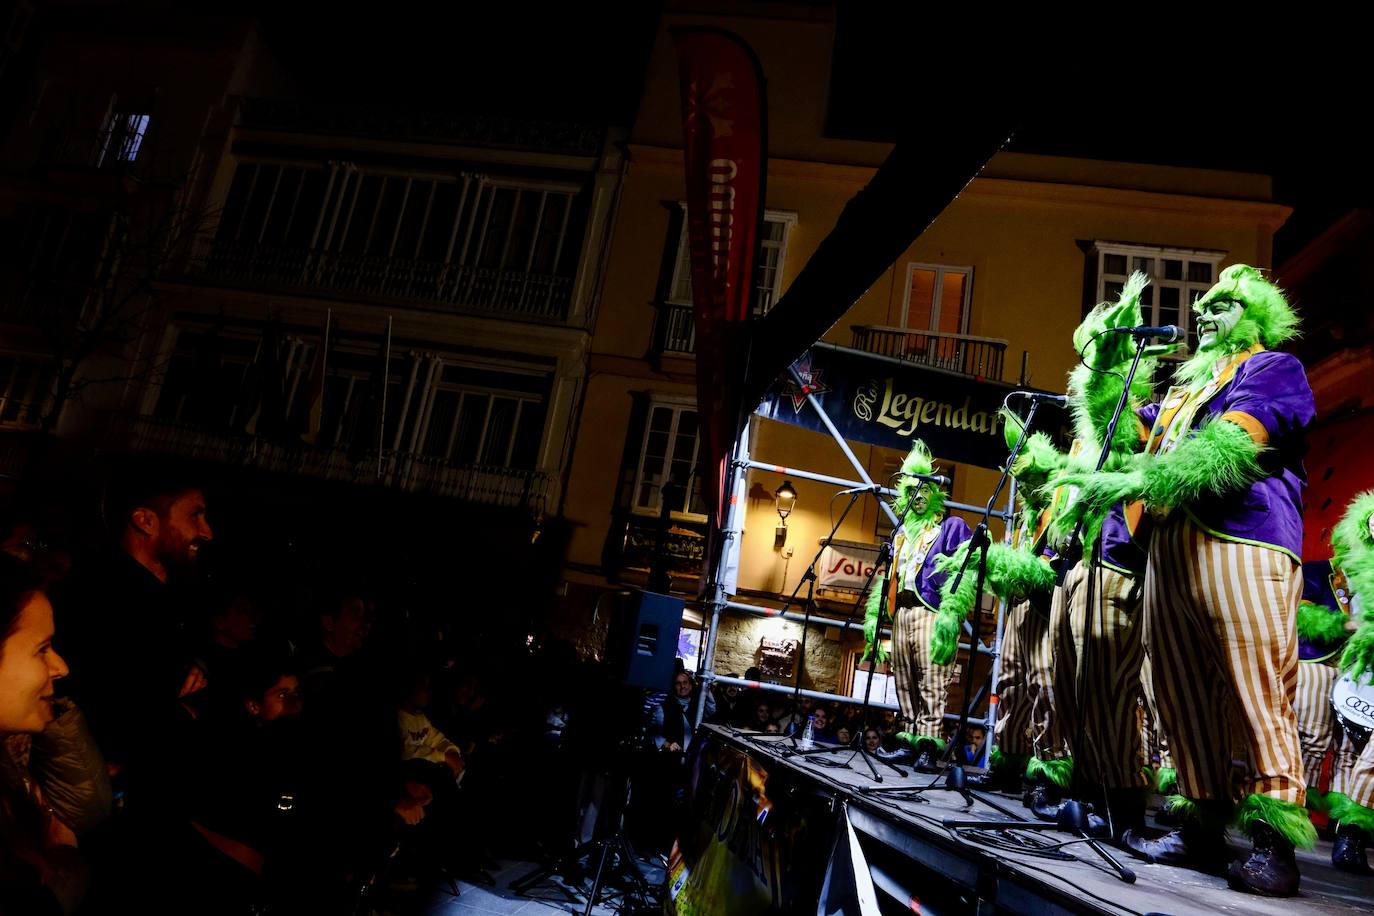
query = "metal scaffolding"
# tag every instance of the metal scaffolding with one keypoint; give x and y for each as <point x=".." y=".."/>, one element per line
<point x="722" y="598"/>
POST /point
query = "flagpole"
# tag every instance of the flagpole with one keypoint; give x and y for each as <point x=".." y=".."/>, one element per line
<point x="386" y="378"/>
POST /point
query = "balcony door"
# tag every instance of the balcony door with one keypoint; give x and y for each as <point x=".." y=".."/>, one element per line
<point x="935" y="312"/>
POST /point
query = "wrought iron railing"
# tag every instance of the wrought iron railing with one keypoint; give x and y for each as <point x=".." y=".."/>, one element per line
<point x="462" y="287"/>
<point x="675" y="332"/>
<point x="981" y="357"/>
<point x="485" y="484"/>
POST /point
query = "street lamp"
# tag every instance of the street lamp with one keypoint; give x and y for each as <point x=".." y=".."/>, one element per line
<point x="786" y="497"/>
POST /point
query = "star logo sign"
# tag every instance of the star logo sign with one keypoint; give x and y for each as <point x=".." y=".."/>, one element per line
<point x="812" y="382"/>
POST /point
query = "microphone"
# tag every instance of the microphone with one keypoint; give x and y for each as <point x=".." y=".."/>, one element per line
<point x="1170" y="333"/>
<point x="1059" y="400"/>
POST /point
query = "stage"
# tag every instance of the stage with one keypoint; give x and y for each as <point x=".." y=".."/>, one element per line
<point x="919" y="864"/>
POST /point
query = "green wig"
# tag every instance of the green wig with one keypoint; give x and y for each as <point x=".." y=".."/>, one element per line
<point x="1351" y="546"/>
<point x="1353" y="553"/>
<point x="918" y="461"/>
<point x="1268" y="319"/>
<point x="1095" y="383"/>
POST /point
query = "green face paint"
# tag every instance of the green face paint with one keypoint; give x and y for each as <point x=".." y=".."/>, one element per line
<point x="1215" y="320"/>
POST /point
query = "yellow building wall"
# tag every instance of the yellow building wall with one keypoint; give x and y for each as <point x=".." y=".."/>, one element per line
<point x="1023" y="226"/>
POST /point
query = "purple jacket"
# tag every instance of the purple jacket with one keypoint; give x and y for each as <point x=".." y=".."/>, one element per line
<point x="1119" y="551"/>
<point x="954" y="531"/>
<point x="1269" y="397"/>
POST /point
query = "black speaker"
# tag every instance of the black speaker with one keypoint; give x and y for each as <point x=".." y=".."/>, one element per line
<point x="642" y="640"/>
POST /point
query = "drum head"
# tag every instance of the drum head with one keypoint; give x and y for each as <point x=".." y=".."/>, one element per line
<point x="1353" y="703"/>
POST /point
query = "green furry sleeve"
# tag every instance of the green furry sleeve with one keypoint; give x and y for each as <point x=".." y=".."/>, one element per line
<point x="954" y="607"/>
<point x="1219" y="458"/>
<point x="1358" y="658"/>
<point x="1318" y="623"/>
<point x="1094" y="398"/>
<point x="873" y="612"/>
<point x="1016" y="573"/>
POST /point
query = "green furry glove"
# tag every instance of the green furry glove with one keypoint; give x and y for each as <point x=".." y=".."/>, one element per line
<point x="1358" y="658"/>
<point x="1097" y="493"/>
<point x="1015" y="573"/>
<point x="944" y="639"/>
<point x="1317" y="623"/>
<point x="873" y="610"/>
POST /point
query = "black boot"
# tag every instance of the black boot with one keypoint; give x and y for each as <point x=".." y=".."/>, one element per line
<point x="1193" y="845"/>
<point x="1347" y="853"/>
<point x="902" y="754"/>
<point x="1271" y="868"/>
<point x="925" y="762"/>
<point x="1044" y="800"/>
<point x="1168" y="815"/>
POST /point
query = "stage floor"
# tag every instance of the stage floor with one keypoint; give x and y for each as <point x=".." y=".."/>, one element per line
<point x="1018" y="881"/>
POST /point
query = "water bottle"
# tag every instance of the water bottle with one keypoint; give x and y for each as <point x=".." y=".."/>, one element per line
<point x="808" y="737"/>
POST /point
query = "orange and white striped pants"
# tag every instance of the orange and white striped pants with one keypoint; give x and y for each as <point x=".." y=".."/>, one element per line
<point x="1316" y="721"/>
<point x="1103" y="674"/>
<point x="922" y="686"/>
<point x="1220" y="627"/>
<point x="1352" y="772"/>
<point x="1023" y="681"/>
<point x="1152" y="737"/>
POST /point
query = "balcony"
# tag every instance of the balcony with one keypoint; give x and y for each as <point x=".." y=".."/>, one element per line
<point x="980" y="357"/>
<point x="506" y="293"/>
<point x="482" y="484"/>
<point x="675" y="332"/>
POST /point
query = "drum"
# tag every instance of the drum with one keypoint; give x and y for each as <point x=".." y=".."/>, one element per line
<point x="1353" y="703"/>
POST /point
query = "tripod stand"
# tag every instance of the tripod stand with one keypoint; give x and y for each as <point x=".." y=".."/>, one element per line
<point x="611" y="851"/>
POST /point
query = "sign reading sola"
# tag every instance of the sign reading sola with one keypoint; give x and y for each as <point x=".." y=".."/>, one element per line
<point x="888" y="402"/>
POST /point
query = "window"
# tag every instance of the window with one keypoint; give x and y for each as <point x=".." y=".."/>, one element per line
<point x="25" y="385"/>
<point x="767" y="269"/>
<point x="466" y="219"/>
<point x="669" y="455"/>
<point x="436" y="406"/>
<point x="1178" y="278"/>
<point x="122" y="138"/>
<point x="483" y="417"/>
<point x="937" y="298"/>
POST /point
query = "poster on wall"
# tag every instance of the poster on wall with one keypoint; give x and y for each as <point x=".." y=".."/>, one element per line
<point x="689" y="648"/>
<point x="778" y="658"/>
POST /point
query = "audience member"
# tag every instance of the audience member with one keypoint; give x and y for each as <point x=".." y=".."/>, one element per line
<point x="40" y="870"/>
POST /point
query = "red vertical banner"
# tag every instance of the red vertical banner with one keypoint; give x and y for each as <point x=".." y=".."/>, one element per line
<point x="725" y="152"/>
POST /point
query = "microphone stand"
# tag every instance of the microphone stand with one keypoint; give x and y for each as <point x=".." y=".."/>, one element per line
<point x="1073" y="816"/>
<point x="883" y="564"/>
<point x="955" y="780"/>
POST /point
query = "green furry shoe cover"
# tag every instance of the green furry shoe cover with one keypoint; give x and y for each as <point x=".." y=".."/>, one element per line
<point x="921" y="742"/>
<point x="1056" y="772"/>
<point x="1287" y="819"/>
<point x="1167" y="781"/>
<point x="1343" y="808"/>
<point x="1212" y="815"/>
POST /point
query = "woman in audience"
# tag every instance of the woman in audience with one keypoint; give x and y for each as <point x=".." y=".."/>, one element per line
<point x="40" y="871"/>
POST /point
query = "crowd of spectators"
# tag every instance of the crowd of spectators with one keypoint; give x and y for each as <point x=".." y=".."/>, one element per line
<point x="180" y="736"/>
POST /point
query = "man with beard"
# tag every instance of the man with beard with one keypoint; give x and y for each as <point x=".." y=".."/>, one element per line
<point x="125" y="628"/>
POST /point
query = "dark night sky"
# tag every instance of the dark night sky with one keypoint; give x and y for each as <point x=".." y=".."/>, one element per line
<point x="894" y="75"/>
